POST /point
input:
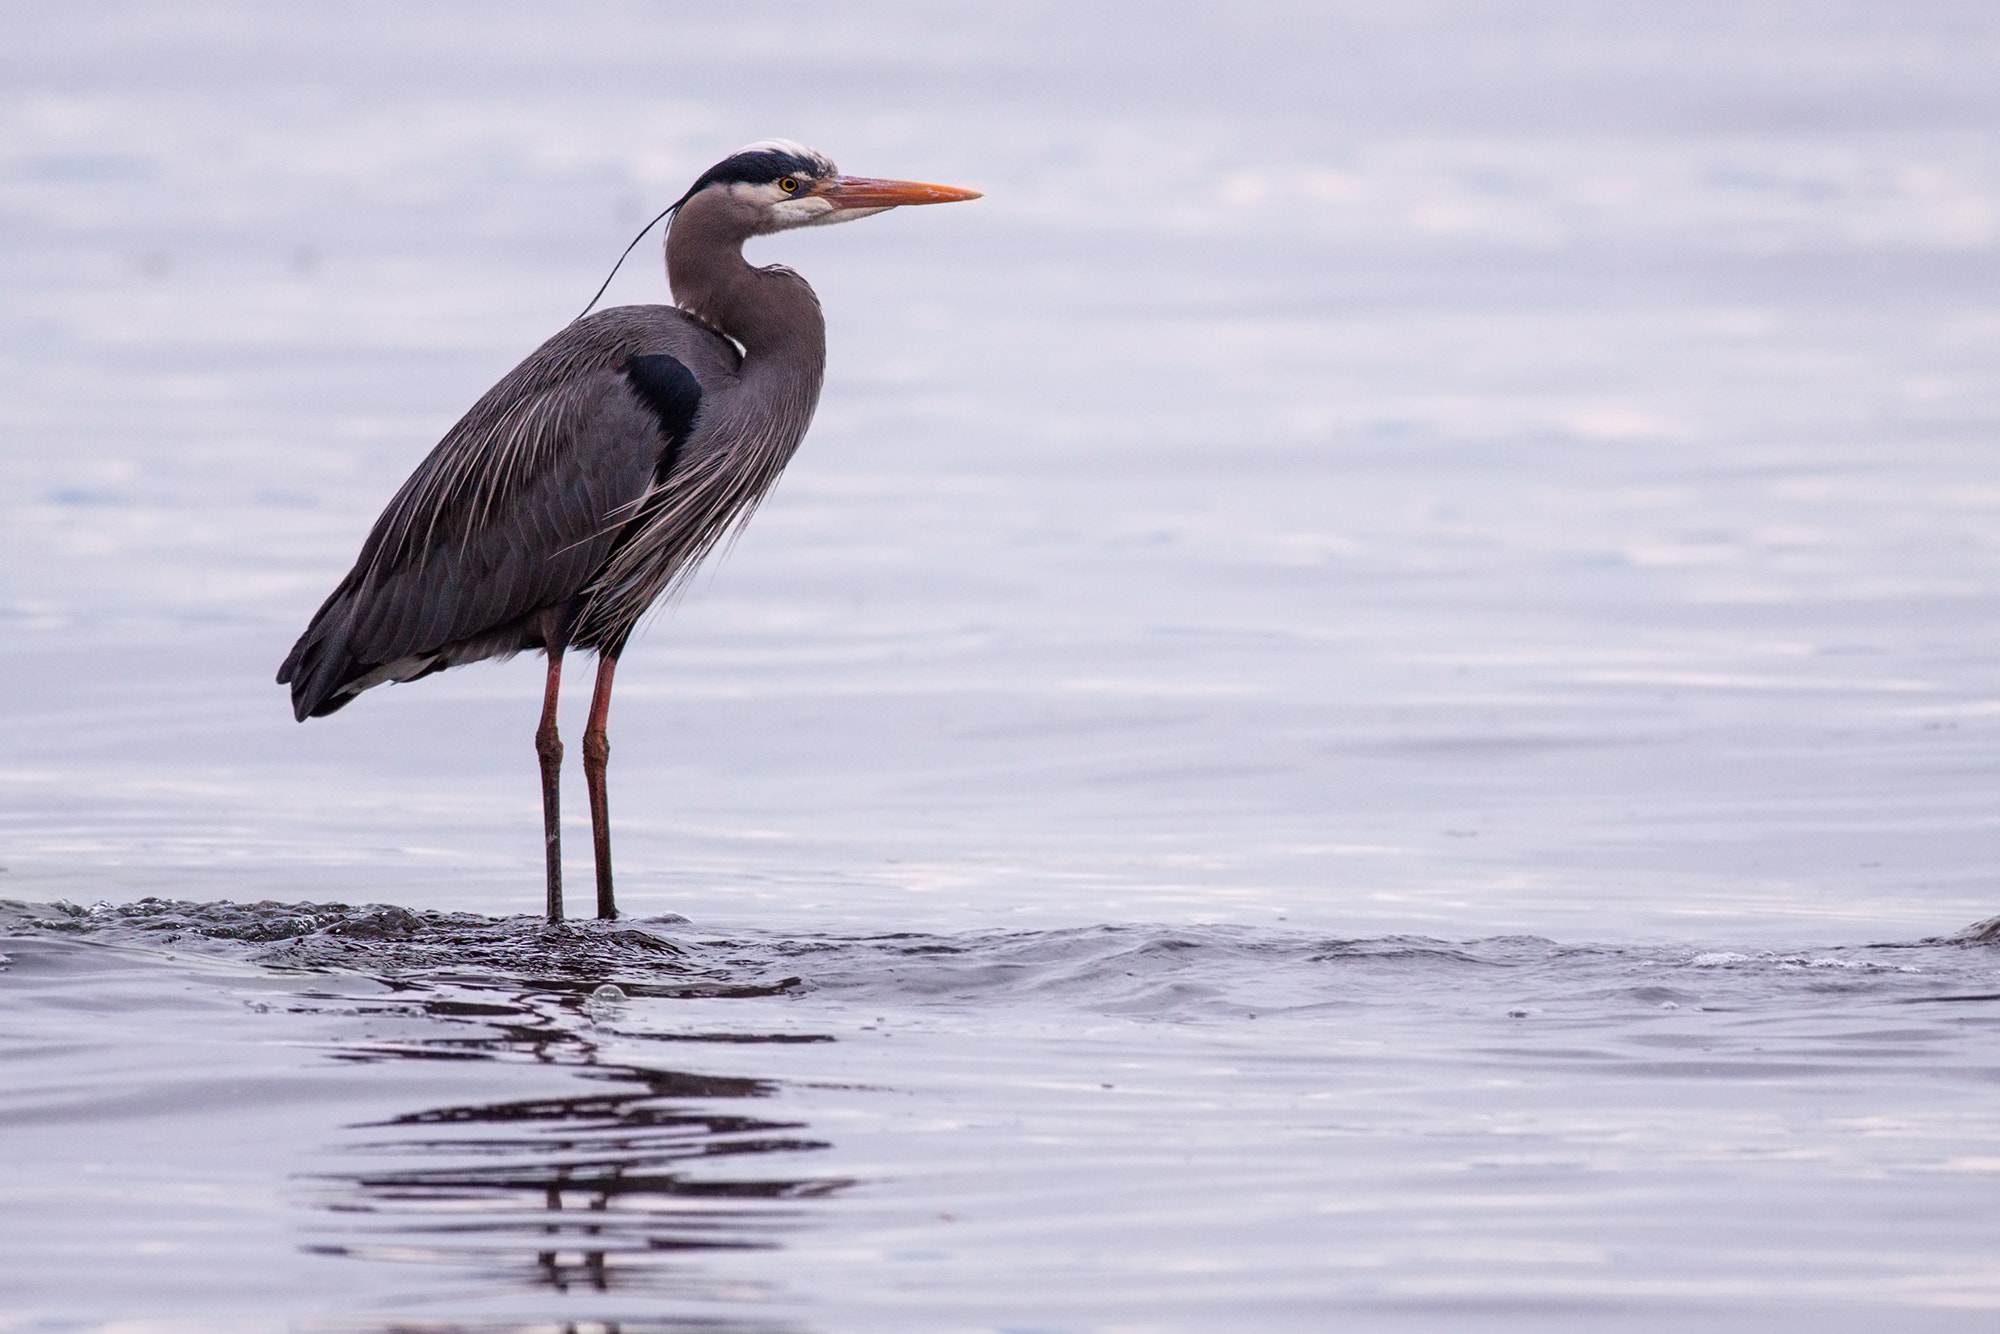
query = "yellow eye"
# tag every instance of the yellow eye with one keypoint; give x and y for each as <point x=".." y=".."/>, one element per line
<point x="790" y="185"/>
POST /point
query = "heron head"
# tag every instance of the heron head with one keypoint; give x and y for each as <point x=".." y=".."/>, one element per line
<point x="775" y="185"/>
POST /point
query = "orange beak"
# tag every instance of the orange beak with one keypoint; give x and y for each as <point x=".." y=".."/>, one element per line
<point x="865" y="192"/>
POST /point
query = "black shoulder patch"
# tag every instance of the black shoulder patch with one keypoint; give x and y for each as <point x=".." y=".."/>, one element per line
<point x="674" y="395"/>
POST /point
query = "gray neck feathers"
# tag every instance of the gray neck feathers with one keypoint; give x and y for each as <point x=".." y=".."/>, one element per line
<point x="748" y="426"/>
<point x="771" y="312"/>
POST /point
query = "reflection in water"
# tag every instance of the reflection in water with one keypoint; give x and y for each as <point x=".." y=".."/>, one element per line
<point x="403" y="1325"/>
<point x="595" y="1191"/>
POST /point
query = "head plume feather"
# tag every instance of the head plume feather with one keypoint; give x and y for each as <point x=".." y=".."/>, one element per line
<point x="764" y="160"/>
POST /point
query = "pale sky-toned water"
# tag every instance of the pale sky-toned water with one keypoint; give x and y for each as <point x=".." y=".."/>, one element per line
<point x="1473" y="472"/>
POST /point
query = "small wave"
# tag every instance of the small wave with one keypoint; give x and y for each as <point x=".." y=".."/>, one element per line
<point x="1173" y="973"/>
<point x="381" y="939"/>
<point x="1985" y="932"/>
<point x="1796" y="962"/>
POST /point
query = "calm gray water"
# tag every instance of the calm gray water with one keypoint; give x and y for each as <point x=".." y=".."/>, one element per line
<point x="1371" y="706"/>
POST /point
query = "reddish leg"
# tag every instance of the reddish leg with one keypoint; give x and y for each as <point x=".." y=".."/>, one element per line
<point x="596" y="753"/>
<point x="548" y="745"/>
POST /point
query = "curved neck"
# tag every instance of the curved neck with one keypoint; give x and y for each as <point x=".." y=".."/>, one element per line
<point x="771" y="312"/>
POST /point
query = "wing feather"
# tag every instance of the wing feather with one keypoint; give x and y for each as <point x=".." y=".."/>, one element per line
<point x="516" y="511"/>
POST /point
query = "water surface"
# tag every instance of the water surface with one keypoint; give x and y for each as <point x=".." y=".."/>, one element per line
<point x="314" y="1113"/>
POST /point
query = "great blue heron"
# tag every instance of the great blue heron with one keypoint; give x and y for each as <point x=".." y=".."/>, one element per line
<point x="596" y="474"/>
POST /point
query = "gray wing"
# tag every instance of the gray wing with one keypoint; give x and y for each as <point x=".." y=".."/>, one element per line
<point x="516" y="510"/>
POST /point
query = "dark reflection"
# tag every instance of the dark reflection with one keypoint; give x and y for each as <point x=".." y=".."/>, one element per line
<point x="643" y="1326"/>
<point x="553" y="1022"/>
<point x="610" y="1189"/>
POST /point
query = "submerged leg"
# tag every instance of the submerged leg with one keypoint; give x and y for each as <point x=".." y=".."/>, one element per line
<point x="596" y="752"/>
<point x="548" y="745"/>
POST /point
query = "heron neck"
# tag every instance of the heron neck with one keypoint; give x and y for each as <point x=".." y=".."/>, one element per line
<point x="772" y="311"/>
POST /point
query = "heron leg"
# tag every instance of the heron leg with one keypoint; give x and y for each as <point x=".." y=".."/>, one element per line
<point x="596" y="753"/>
<point x="549" y="747"/>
